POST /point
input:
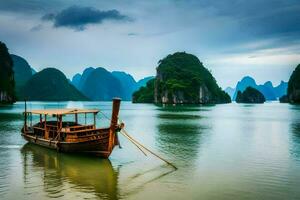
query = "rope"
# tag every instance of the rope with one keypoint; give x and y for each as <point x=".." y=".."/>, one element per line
<point x="105" y="116"/>
<point x="145" y="148"/>
<point x="128" y="137"/>
<point x="137" y="144"/>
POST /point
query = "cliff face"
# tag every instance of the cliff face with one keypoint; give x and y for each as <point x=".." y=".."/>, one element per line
<point x="7" y="82"/>
<point x="182" y="79"/>
<point x="294" y="86"/>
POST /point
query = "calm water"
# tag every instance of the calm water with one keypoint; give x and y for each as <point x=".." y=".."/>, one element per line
<point x="229" y="151"/>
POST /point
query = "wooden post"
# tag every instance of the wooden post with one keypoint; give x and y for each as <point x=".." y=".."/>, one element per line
<point x="30" y="119"/>
<point x="41" y="119"/>
<point x="46" y="131"/>
<point x="76" y="118"/>
<point x="60" y="126"/>
<point x="60" y="122"/>
<point x="94" y="120"/>
<point x="57" y="122"/>
<point x="25" y="117"/>
<point x="113" y="123"/>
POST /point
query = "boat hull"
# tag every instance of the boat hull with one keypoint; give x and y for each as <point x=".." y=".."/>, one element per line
<point x="97" y="146"/>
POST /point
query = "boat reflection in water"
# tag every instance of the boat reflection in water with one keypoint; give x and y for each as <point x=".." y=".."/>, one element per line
<point x="67" y="176"/>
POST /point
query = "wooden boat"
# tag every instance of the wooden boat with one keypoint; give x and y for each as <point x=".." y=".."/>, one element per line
<point x="70" y="136"/>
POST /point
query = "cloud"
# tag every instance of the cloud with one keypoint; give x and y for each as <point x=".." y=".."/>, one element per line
<point x="78" y="18"/>
<point x="36" y="28"/>
<point x="48" y="17"/>
<point x="260" y="18"/>
<point x="29" y="6"/>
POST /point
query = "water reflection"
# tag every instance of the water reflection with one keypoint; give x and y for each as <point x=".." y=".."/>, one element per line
<point x="76" y="174"/>
<point x="179" y="131"/>
<point x="231" y="151"/>
<point x="295" y="129"/>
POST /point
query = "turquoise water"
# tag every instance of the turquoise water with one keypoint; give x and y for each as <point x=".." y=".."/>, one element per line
<point x="231" y="151"/>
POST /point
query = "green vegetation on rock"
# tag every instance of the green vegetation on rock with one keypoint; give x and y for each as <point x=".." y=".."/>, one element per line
<point x="7" y="82"/>
<point x="144" y="94"/>
<point x="250" y="95"/>
<point x="50" y="84"/>
<point x="182" y="79"/>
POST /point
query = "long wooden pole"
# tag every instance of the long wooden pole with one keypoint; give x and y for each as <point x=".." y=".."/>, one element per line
<point x="113" y="123"/>
<point x="124" y="132"/>
<point x="25" y="117"/>
<point x="76" y="118"/>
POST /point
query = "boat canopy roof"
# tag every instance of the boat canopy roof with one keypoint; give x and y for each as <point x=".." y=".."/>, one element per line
<point x="66" y="111"/>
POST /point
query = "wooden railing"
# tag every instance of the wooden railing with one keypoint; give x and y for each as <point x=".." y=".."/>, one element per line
<point x="72" y="133"/>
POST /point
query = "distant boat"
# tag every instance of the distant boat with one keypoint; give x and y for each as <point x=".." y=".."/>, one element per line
<point x="70" y="136"/>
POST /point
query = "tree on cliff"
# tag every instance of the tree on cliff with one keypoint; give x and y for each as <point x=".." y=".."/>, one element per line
<point x="7" y="83"/>
<point x="250" y="95"/>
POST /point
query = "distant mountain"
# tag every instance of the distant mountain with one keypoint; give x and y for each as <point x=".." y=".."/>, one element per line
<point x="84" y="77"/>
<point x="143" y="82"/>
<point x="100" y="85"/>
<point x="281" y="89"/>
<point x="33" y="71"/>
<point x="267" y="89"/>
<point x="76" y="80"/>
<point x="230" y="91"/>
<point x="247" y="81"/>
<point x="105" y="85"/>
<point x="50" y="84"/>
<point x="127" y="82"/>
<point x="22" y="72"/>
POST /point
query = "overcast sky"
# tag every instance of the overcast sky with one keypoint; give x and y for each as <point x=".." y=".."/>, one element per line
<point x="232" y="38"/>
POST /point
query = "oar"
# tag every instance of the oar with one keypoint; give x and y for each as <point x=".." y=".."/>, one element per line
<point x="123" y="131"/>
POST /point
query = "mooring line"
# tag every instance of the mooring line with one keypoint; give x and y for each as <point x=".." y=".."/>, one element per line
<point x="123" y="131"/>
<point x="138" y="144"/>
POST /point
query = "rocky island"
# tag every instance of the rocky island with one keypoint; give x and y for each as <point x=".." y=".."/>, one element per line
<point x="50" y="84"/>
<point x="293" y="92"/>
<point x="250" y="95"/>
<point x="182" y="79"/>
<point x="7" y="81"/>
